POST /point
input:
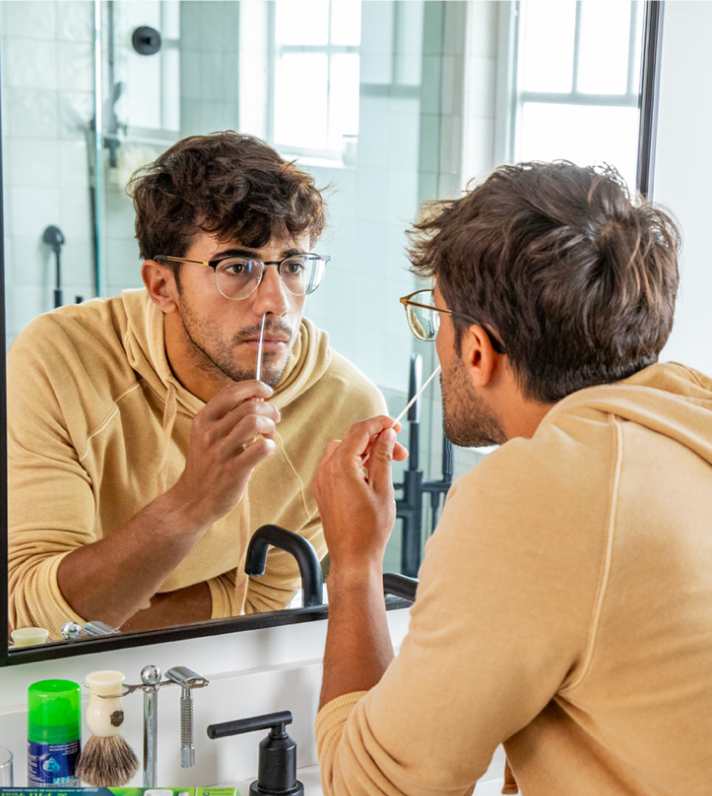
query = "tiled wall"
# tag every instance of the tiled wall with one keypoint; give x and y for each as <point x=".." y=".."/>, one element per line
<point x="47" y="104"/>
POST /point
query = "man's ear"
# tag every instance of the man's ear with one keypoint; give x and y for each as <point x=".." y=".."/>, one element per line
<point x="478" y="356"/>
<point x="161" y="285"/>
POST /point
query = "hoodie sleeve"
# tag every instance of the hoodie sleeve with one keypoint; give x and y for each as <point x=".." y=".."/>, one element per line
<point x="46" y="479"/>
<point x="503" y="616"/>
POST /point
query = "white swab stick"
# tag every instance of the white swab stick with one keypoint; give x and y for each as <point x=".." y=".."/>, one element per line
<point x="259" y="350"/>
<point x="416" y="396"/>
<point x="410" y="403"/>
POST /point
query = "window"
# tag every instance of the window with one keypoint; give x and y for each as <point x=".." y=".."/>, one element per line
<point x="577" y="82"/>
<point x="316" y="79"/>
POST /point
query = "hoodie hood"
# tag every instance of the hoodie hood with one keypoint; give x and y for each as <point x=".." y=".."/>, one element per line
<point x="670" y="399"/>
<point x="144" y="341"/>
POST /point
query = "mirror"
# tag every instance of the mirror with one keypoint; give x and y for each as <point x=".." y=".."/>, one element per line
<point x="389" y="104"/>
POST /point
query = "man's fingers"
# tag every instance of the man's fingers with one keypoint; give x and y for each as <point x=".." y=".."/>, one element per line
<point x="379" y="465"/>
<point x="330" y="450"/>
<point x="233" y="395"/>
<point x="245" y="431"/>
<point x="356" y="442"/>
<point x="400" y="454"/>
<point x="257" y="452"/>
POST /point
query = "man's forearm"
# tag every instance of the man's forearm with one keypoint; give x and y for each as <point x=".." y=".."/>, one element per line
<point x="179" y="607"/>
<point x="358" y="644"/>
<point x="117" y="576"/>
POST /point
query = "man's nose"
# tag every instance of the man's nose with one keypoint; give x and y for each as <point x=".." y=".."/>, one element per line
<point x="271" y="295"/>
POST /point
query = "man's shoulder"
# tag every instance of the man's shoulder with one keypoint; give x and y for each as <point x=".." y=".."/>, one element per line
<point x="550" y="477"/>
<point x="72" y="341"/>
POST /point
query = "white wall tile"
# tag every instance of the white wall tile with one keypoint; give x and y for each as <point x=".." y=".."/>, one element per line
<point x="371" y="193"/>
<point x="30" y="112"/>
<point x="75" y="213"/>
<point x="29" y="18"/>
<point x="76" y="66"/>
<point x="32" y="162"/>
<point x="123" y="265"/>
<point x="29" y="63"/>
<point x="147" y="12"/>
<point x="26" y="302"/>
<point x="77" y="261"/>
<point x="33" y="210"/>
<point x="76" y="110"/>
<point x="402" y="195"/>
<point x="477" y="149"/>
<point x="373" y="135"/>
<point x="75" y="20"/>
<point x="483" y="29"/>
<point x="29" y="261"/>
<point x="73" y="164"/>
<point x="480" y="80"/>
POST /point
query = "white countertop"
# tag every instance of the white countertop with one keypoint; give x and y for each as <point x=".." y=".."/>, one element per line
<point x="489" y="785"/>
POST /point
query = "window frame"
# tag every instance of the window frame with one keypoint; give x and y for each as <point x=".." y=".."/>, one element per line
<point x="275" y="57"/>
<point x="510" y="70"/>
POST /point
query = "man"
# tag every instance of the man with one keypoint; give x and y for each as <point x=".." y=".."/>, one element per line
<point x="565" y="600"/>
<point x="143" y="451"/>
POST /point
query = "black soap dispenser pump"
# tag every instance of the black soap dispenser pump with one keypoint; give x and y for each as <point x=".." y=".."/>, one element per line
<point x="277" y="764"/>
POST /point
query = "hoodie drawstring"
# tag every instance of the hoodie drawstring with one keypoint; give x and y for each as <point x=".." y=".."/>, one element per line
<point x="169" y="417"/>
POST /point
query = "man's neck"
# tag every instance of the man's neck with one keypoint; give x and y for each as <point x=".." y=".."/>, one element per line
<point x="523" y="417"/>
<point x="518" y="415"/>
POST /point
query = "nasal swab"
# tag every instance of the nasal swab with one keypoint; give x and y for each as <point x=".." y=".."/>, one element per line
<point x="258" y="373"/>
<point x="409" y="404"/>
<point x="259" y="350"/>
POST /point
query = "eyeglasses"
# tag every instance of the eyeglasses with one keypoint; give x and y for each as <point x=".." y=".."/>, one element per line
<point x="424" y="320"/>
<point x="238" y="277"/>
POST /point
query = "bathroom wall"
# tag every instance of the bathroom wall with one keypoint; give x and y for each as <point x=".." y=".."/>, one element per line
<point x="250" y="673"/>
<point x="683" y="172"/>
<point x="47" y="104"/>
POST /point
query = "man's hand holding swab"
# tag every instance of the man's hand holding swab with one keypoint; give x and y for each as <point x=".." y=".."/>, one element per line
<point x="409" y="404"/>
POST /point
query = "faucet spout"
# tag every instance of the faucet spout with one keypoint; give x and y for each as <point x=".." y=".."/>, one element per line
<point x="300" y="548"/>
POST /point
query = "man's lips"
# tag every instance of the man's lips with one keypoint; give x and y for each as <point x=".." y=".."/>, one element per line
<point x="268" y="343"/>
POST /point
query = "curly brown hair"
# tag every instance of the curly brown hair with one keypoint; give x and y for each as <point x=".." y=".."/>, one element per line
<point x="577" y="279"/>
<point x="230" y="185"/>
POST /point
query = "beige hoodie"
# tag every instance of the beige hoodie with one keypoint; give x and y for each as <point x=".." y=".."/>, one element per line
<point x="99" y="426"/>
<point x="564" y="610"/>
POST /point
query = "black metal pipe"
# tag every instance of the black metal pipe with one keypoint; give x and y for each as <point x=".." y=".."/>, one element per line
<point x="400" y="586"/>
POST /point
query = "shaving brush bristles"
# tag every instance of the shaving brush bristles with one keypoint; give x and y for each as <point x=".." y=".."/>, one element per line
<point x="107" y="762"/>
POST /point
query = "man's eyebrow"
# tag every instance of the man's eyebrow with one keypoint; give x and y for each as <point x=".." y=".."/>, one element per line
<point x="291" y="252"/>
<point x="235" y="252"/>
<point x="251" y="254"/>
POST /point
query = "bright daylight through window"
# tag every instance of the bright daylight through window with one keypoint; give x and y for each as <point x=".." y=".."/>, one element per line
<point x="316" y="82"/>
<point x="569" y="101"/>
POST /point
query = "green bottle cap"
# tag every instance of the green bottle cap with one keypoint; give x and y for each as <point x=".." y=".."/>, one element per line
<point x="54" y="712"/>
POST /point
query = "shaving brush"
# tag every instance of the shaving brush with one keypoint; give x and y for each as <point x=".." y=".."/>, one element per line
<point x="106" y="761"/>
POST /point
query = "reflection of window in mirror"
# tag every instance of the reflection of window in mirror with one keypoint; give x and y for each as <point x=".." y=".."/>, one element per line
<point x="316" y="44"/>
<point x="576" y="83"/>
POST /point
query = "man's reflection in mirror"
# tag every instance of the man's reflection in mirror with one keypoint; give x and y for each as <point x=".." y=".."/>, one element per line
<point x="143" y="453"/>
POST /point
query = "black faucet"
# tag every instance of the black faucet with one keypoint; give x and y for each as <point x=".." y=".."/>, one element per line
<point x="400" y="586"/>
<point x="299" y="547"/>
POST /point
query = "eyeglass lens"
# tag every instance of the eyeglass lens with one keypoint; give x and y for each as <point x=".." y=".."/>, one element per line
<point x="424" y="323"/>
<point x="237" y="277"/>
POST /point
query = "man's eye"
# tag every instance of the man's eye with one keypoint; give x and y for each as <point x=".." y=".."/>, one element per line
<point x="293" y="266"/>
<point x="236" y="267"/>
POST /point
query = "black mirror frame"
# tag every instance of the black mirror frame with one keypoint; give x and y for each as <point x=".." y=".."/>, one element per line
<point x="650" y="81"/>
